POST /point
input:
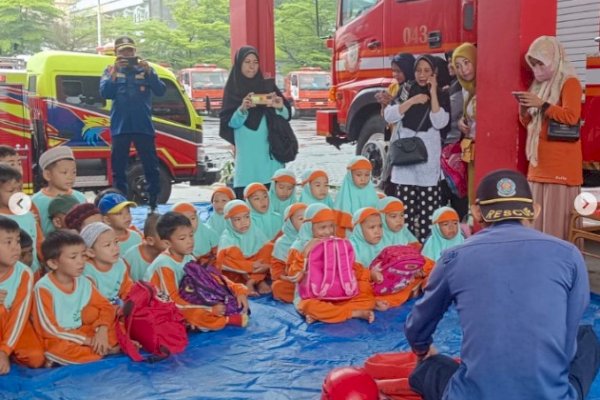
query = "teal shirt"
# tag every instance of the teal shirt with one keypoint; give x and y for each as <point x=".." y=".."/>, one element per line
<point x="253" y="163"/>
<point x="164" y="260"/>
<point x="67" y="307"/>
<point x="28" y="223"/>
<point x="108" y="283"/>
<point x="137" y="263"/>
<point x="216" y="222"/>
<point x="205" y="239"/>
<point x="42" y="202"/>
<point x="132" y="240"/>
<point x="12" y="283"/>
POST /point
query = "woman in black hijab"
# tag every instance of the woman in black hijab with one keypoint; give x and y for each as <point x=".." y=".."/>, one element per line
<point x="249" y="101"/>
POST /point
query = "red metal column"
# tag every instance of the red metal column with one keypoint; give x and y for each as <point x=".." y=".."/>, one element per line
<point x="253" y="23"/>
<point x="505" y="31"/>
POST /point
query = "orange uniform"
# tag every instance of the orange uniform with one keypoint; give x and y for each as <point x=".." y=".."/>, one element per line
<point x="282" y="290"/>
<point x="113" y="283"/>
<point x="238" y="268"/>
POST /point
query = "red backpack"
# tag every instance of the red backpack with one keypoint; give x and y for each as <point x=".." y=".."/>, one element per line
<point x="156" y="324"/>
<point x="398" y="264"/>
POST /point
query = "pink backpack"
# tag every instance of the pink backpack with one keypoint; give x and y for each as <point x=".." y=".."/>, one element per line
<point x="454" y="169"/>
<point x="329" y="269"/>
<point x="398" y="264"/>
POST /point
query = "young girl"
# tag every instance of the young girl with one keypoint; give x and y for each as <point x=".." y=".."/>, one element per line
<point x="395" y="231"/>
<point x="315" y="188"/>
<point x="282" y="192"/>
<point x="319" y="223"/>
<point x="283" y="288"/>
<point x="445" y="233"/>
<point x="263" y="216"/>
<point x="221" y="196"/>
<point x="206" y="239"/>
<point x="357" y="191"/>
<point x="244" y="252"/>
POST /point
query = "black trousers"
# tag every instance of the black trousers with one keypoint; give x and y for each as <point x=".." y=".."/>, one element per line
<point x="431" y="377"/>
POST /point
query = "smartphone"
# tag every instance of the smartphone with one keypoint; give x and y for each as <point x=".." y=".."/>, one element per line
<point x="132" y="61"/>
<point x="517" y="96"/>
<point x="261" y="99"/>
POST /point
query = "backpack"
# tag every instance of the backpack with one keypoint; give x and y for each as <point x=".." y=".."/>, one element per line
<point x="205" y="285"/>
<point x="283" y="144"/>
<point x="454" y="169"/>
<point x="329" y="269"/>
<point x="398" y="264"/>
<point x="155" y="323"/>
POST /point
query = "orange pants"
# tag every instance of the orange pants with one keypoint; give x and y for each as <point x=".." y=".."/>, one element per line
<point x="334" y="312"/>
<point x="283" y="290"/>
<point x="66" y="352"/>
<point x="29" y="350"/>
<point x="243" y="278"/>
<point x="397" y="299"/>
<point x="204" y="319"/>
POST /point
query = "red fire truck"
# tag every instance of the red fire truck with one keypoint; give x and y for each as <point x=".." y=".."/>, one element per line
<point x="308" y="90"/>
<point x="370" y="32"/>
<point x="204" y="84"/>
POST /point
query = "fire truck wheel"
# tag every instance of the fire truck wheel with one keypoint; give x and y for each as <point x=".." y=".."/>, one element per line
<point x="136" y="180"/>
<point x="375" y="124"/>
<point x="374" y="150"/>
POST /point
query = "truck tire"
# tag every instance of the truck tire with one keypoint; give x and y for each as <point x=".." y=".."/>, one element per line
<point x="371" y="144"/>
<point x="136" y="180"/>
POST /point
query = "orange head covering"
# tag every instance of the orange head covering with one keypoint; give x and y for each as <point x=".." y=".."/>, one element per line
<point x="391" y="204"/>
<point x="183" y="207"/>
<point x="362" y="214"/>
<point x="325" y="215"/>
<point x="447" y="215"/>
<point x="235" y="207"/>
<point x="360" y="163"/>
<point x="225" y="190"/>
<point x="253" y="188"/>
<point x="293" y="209"/>
<point x="317" y="173"/>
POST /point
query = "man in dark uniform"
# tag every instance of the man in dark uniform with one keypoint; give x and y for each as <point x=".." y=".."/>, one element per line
<point x="130" y="84"/>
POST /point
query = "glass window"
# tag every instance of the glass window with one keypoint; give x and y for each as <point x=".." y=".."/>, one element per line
<point x="315" y="82"/>
<point x="82" y="91"/>
<point x="171" y="105"/>
<point x="209" y="80"/>
<point x="354" y="8"/>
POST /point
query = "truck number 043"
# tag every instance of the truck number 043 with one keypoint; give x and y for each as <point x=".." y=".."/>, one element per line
<point x="415" y="35"/>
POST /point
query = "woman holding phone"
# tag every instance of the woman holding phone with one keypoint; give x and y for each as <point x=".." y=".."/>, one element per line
<point x="555" y="167"/>
<point x="248" y="101"/>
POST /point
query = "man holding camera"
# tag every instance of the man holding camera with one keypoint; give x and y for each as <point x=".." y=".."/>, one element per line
<point x="130" y="83"/>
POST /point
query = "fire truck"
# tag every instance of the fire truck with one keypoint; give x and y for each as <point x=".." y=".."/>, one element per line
<point x="204" y="85"/>
<point x="307" y="89"/>
<point x="56" y="102"/>
<point x="370" y="32"/>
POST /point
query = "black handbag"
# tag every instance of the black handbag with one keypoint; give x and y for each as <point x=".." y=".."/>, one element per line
<point x="411" y="150"/>
<point x="562" y="132"/>
<point x="283" y="144"/>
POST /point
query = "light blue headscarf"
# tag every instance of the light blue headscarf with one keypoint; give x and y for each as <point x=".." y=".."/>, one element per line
<point x="404" y="236"/>
<point x="250" y="242"/>
<point x="217" y="221"/>
<point x="306" y="196"/>
<point x="283" y="244"/>
<point x="437" y="243"/>
<point x="269" y="222"/>
<point x="305" y="234"/>
<point x="350" y="198"/>
<point x="277" y="205"/>
<point x="364" y="251"/>
<point x="205" y="237"/>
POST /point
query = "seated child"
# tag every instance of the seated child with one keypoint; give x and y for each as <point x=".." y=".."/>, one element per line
<point x="116" y="214"/>
<point x="82" y="215"/>
<point x="17" y="337"/>
<point x="315" y="188"/>
<point x="59" y="171"/>
<point x="206" y="239"/>
<point x="10" y="183"/>
<point x="395" y="231"/>
<point x="58" y="209"/>
<point x="74" y="320"/>
<point x="112" y="190"/>
<point x="445" y="233"/>
<point x="167" y="270"/>
<point x="221" y="196"/>
<point x="107" y="271"/>
<point x="282" y="192"/>
<point x="26" y="248"/>
<point x="244" y="253"/>
<point x="357" y="191"/>
<point x="283" y="288"/>
<point x="141" y="256"/>
<point x="319" y="223"/>
<point x="261" y="212"/>
<point x="10" y="157"/>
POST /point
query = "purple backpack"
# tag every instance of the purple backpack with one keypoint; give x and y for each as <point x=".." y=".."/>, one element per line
<point x="203" y="284"/>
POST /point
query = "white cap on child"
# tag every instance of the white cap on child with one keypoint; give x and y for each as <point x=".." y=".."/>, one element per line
<point x="91" y="232"/>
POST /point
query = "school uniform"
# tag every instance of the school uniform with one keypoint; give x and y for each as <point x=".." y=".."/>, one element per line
<point x="28" y="223"/>
<point x="277" y="205"/>
<point x="404" y="236"/>
<point x="129" y="240"/>
<point x="41" y="202"/>
<point x="206" y="242"/>
<point x="113" y="284"/>
<point x="306" y="195"/>
<point x="437" y="243"/>
<point x="137" y="261"/>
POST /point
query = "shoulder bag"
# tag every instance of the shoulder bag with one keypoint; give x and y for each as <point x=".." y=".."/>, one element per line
<point x="562" y="132"/>
<point x="411" y="150"/>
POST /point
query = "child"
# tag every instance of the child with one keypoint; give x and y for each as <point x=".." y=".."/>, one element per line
<point x="315" y="188"/>
<point x="206" y="239"/>
<point x="263" y="216"/>
<point x="17" y="337"/>
<point x="244" y="252"/>
<point x="10" y="157"/>
<point x="59" y="171"/>
<point x="26" y="248"/>
<point x="10" y="183"/>
<point x="395" y="231"/>
<point x="283" y="288"/>
<point x="58" y="209"/>
<point x="167" y="271"/>
<point x="105" y="268"/>
<point x="116" y="214"/>
<point x="282" y="192"/>
<point x="221" y="196"/>
<point x="357" y="191"/>
<point x="82" y="215"/>
<point x="445" y="233"/>
<point x="319" y="223"/>
<point x="74" y="320"/>
<point x="141" y="256"/>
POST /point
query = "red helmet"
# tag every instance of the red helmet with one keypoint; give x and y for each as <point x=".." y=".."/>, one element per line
<point x="349" y="383"/>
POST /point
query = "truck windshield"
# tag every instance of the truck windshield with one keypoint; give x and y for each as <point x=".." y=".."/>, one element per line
<point x="354" y="8"/>
<point x="315" y="82"/>
<point x="209" y="80"/>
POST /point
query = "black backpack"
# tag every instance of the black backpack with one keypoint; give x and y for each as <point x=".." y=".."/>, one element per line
<point x="283" y="144"/>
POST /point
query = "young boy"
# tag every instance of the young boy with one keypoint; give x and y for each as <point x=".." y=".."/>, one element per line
<point x="141" y="256"/>
<point x="82" y="215"/>
<point x="10" y="157"/>
<point x="59" y="171"/>
<point x="58" y="209"/>
<point x="167" y="270"/>
<point x="206" y="239"/>
<point x="17" y="337"/>
<point x="26" y="248"/>
<point x="115" y="211"/>
<point x="10" y="183"/>
<point x="75" y="321"/>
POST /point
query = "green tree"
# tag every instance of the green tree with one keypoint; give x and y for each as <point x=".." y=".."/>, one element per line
<point x="77" y="33"/>
<point x="25" y="25"/>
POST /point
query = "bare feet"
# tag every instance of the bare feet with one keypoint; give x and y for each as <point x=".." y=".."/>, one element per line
<point x="251" y="285"/>
<point x="264" y="288"/>
<point x="382" y="305"/>
<point x="116" y="349"/>
<point x="309" y="319"/>
<point x="416" y="292"/>
<point x="367" y="315"/>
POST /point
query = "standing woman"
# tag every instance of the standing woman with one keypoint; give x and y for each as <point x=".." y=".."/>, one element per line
<point x="244" y="123"/>
<point x="555" y="167"/>
<point x="423" y="111"/>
